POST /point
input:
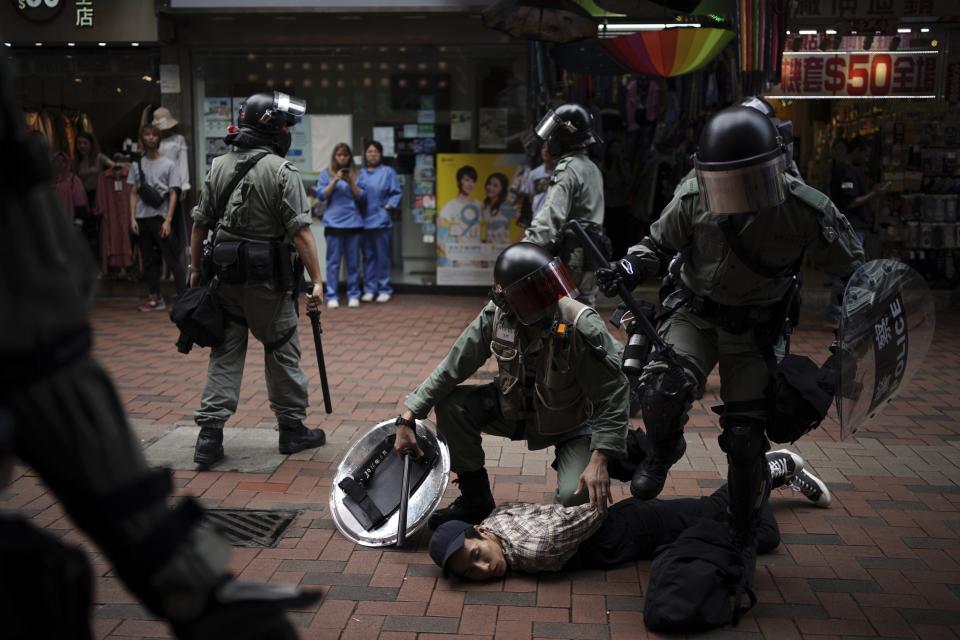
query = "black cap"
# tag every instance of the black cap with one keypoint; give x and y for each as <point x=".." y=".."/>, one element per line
<point x="446" y="541"/>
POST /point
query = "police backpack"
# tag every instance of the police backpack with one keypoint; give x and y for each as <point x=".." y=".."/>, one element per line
<point x="698" y="581"/>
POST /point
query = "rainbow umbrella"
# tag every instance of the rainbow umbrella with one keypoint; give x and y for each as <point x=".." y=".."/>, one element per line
<point x="669" y="52"/>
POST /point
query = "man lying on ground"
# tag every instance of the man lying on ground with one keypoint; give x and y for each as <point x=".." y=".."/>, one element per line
<point x="535" y="538"/>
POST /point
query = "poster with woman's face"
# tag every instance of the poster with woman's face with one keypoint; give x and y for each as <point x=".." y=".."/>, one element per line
<point x="476" y="216"/>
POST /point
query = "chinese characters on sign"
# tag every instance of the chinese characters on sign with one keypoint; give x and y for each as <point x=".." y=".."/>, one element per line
<point x="84" y="13"/>
<point x="868" y="8"/>
<point x="890" y="345"/>
<point x="864" y="74"/>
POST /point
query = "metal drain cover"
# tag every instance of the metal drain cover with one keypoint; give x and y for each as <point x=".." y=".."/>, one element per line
<point x="251" y="528"/>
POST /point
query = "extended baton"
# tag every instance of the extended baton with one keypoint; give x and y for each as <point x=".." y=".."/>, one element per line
<point x="321" y="363"/>
<point x="638" y="315"/>
<point x="404" y="498"/>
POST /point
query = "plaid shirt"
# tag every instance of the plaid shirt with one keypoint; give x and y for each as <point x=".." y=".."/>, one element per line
<point x="542" y="537"/>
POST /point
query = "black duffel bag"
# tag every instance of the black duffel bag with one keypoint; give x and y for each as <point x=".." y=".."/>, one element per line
<point x="199" y="316"/>
<point x="698" y="582"/>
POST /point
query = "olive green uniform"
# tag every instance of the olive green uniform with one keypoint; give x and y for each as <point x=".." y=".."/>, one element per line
<point x="807" y="223"/>
<point x="269" y="205"/>
<point x="575" y="193"/>
<point x="582" y="368"/>
<point x="726" y="313"/>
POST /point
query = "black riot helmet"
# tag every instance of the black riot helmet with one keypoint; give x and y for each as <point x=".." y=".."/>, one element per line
<point x="784" y="127"/>
<point x="740" y="162"/>
<point x="567" y="128"/>
<point x="528" y="282"/>
<point x="761" y="105"/>
<point x="270" y="112"/>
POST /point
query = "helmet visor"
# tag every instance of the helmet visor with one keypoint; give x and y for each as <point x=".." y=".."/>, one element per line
<point x="288" y="104"/>
<point x="533" y="296"/>
<point x="548" y="124"/>
<point x="743" y="187"/>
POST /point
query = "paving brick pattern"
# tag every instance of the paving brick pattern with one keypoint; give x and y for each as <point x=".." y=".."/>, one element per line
<point x="884" y="561"/>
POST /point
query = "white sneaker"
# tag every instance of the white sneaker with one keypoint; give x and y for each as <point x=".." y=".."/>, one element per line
<point x="812" y="487"/>
<point x="353" y="303"/>
<point x="367" y="297"/>
<point x="784" y="465"/>
<point x="384" y="297"/>
<point x="333" y="303"/>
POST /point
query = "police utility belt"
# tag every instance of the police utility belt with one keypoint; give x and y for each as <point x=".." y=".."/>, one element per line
<point x="239" y="261"/>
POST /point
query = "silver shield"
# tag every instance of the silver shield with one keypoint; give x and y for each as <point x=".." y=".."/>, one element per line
<point x="886" y="328"/>
<point x="421" y="504"/>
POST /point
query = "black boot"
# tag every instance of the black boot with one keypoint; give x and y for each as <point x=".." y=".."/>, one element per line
<point x="651" y="475"/>
<point x="295" y="437"/>
<point x="474" y="504"/>
<point x="209" y="448"/>
<point x="638" y="448"/>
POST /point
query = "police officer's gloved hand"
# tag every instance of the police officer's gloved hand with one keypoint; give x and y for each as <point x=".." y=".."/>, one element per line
<point x="628" y="270"/>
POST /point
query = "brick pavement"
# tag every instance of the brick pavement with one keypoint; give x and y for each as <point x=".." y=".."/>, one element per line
<point x="883" y="561"/>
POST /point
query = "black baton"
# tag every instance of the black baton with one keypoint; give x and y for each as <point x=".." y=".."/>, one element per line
<point x="404" y="498"/>
<point x="638" y="315"/>
<point x="321" y="363"/>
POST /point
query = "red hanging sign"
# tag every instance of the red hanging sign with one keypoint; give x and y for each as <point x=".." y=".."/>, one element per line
<point x="859" y="74"/>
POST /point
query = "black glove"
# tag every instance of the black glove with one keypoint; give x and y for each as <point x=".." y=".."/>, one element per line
<point x="628" y="270"/>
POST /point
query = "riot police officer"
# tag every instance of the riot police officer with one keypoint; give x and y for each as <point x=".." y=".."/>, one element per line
<point x="558" y="383"/>
<point x="256" y="204"/>
<point x="575" y="192"/>
<point x="69" y="426"/>
<point x="745" y="225"/>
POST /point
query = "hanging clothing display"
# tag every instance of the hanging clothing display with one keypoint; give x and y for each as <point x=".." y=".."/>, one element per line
<point x="113" y="204"/>
<point x="72" y="196"/>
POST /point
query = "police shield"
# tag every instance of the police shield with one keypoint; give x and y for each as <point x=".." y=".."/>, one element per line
<point x="885" y="330"/>
<point x="365" y="497"/>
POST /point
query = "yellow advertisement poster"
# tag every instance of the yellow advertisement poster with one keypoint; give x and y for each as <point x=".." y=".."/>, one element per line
<point x="476" y="214"/>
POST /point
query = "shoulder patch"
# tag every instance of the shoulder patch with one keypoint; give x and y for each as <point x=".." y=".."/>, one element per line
<point x="688" y="187"/>
<point x="810" y="196"/>
<point x="832" y="222"/>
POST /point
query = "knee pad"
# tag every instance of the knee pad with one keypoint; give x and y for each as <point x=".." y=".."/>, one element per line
<point x="666" y="394"/>
<point x="743" y="439"/>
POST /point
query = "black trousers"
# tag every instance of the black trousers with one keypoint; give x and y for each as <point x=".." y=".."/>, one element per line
<point x="152" y="246"/>
<point x="635" y="528"/>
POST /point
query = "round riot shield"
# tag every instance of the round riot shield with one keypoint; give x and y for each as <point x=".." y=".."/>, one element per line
<point x="886" y="327"/>
<point x="365" y="496"/>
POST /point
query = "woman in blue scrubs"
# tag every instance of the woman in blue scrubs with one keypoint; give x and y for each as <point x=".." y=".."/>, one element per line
<point x="382" y="189"/>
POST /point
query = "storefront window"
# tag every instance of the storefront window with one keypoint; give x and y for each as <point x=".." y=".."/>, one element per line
<point x="418" y="101"/>
<point x="103" y="92"/>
